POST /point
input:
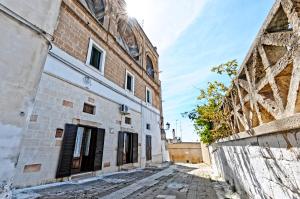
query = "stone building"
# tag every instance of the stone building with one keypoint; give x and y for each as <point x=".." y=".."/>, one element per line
<point x="26" y="29"/>
<point x="98" y="105"/>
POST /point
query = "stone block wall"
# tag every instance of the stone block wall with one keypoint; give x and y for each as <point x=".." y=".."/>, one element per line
<point x="76" y="26"/>
<point x="58" y="103"/>
<point x="185" y="152"/>
<point x="267" y="166"/>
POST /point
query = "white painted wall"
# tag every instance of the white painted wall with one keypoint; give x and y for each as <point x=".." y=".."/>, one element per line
<point x="154" y="120"/>
<point x="22" y="57"/>
<point x="41" y="13"/>
<point x="261" y="167"/>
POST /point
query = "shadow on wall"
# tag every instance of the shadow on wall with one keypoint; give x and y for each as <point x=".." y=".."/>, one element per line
<point x="261" y="167"/>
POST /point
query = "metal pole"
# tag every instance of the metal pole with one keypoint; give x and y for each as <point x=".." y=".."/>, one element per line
<point x="176" y="128"/>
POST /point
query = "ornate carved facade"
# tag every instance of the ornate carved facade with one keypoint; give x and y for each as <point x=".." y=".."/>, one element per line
<point x="267" y="85"/>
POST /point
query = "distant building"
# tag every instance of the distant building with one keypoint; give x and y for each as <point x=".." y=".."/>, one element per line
<point x="175" y="139"/>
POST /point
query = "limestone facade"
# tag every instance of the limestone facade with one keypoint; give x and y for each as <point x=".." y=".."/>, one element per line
<point x="69" y="81"/>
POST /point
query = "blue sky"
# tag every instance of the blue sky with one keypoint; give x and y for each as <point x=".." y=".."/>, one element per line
<point x="191" y="37"/>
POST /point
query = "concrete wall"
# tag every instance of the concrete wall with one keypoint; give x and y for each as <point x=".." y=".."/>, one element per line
<point x="186" y="152"/>
<point x="22" y="56"/>
<point x="267" y="166"/>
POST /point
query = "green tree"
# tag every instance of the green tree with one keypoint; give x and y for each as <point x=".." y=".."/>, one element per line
<point x="210" y="121"/>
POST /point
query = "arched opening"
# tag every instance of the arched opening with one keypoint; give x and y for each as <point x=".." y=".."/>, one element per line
<point x="149" y="67"/>
<point x="97" y="7"/>
<point x="127" y="39"/>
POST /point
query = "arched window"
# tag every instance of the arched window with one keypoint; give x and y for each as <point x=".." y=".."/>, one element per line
<point x="98" y="8"/>
<point x="149" y="67"/>
<point x="127" y="38"/>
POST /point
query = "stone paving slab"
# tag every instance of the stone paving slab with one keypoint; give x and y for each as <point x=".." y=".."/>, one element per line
<point x="172" y="182"/>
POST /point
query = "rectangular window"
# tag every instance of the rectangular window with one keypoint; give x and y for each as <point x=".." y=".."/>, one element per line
<point x="129" y="84"/>
<point x="148" y="126"/>
<point x="96" y="56"/>
<point x="148" y="96"/>
<point x="87" y="108"/>
<point x="95" y="59"/>
<point x="127" y="120"/>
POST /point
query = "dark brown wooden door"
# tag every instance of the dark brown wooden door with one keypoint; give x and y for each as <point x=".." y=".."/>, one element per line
<point x="99" y="149"/>
<point x="120" y="148"/>
<point x="66" y="151"/>
<point x="148" y="147"/>
<point x="88" y="150"/>
<point x="134" y="147"/>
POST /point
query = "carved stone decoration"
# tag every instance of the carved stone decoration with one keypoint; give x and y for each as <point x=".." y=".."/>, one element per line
<point x="97" y="7"/>
<point x="122" y="25"/>
<point x="149" y="67"/>
<point x="267" y="85"/>
<point x="126" y="36"/>
<point x="87" y="82"/>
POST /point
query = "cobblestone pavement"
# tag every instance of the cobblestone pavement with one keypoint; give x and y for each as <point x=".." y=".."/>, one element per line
<point x="173" y="182"/>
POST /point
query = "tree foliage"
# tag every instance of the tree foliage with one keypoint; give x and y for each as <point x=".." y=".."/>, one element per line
<point x="210" y="121"/>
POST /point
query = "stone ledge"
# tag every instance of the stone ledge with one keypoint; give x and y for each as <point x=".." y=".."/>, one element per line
<point x="285" y="124"/>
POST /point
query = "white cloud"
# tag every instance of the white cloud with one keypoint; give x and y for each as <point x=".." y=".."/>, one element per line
<point x="185" y="83"/>
<point x="165" y="20"/>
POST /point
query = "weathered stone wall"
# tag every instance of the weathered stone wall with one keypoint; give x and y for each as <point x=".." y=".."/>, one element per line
<point x="76" y="26"/>
<point x="185" y="152"/>
<point x="22" y="56"/>
<point x="261" y="167"/>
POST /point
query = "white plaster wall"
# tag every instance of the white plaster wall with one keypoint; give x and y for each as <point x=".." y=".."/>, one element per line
<point x="154" y="120"/>
<point x="22" y="57"/>
<point x="165" y="151"/>
<point x="41" y="13"/>
<point x="261" y="167"/>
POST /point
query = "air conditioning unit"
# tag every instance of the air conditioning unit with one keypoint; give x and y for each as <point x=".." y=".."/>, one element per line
<point x="124" y="109"/>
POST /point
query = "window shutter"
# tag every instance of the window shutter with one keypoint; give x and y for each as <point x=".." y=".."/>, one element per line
<point x="148" y="147"/>
<point x="99" y="149"/>
<point x="135" y="147"/>
<point x="120" y="148"/>
<point x="66" y="151"/>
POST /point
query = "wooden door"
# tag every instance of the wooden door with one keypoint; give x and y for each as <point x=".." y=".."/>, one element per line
<point x="100" y="135"/>
<point x="120" y="153"/>
<point x="66" y="151"/>
<point x="134" y="147"/>
<point x="148" y="147"/>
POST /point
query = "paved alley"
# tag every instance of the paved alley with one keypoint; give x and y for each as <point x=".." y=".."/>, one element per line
<point x="175" y="181"/>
